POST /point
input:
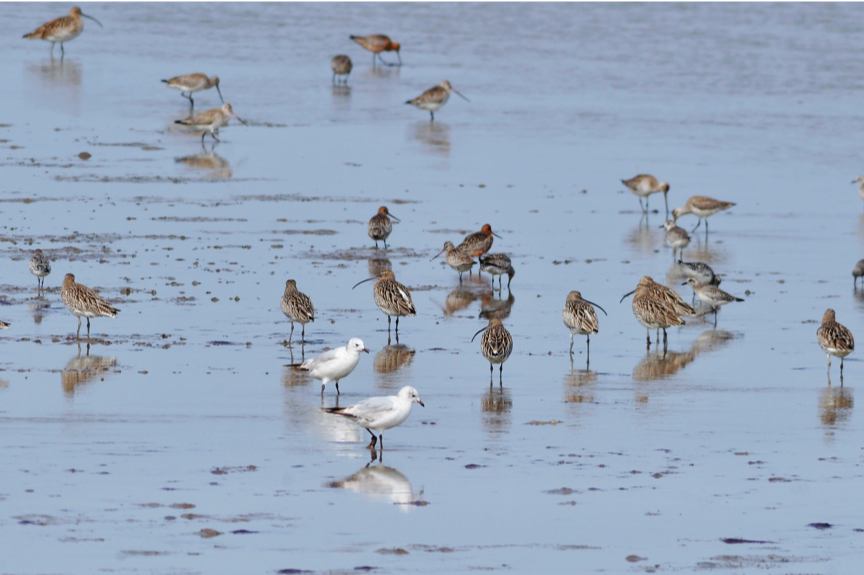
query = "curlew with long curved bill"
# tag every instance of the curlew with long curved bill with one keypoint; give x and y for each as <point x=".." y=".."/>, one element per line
<point x="391" y="297"/>
<point x="62" y="29"/>
<point x="496" y="346"/>
<point x="580" y="318"/>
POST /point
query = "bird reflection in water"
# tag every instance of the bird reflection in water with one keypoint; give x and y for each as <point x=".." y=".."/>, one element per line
<point x="382" y="484"/>
<point x="659" y="364"/>
<point x="388" y="362"/>
<point x="495" y="405"/>
<point x="644" y="238"/>
<point x="492" y="308"/>
<point x="578" y="385"/>
<point x="377" y="265"/>
<point x="38" y="305"/>
<point x="58" y="84"/>
<point x="434" y="137"/>
<point x="217" y="166"/>
<point x="341" y="97"/>
<point x="835" y="404"/>
<point x="81" y="370"/>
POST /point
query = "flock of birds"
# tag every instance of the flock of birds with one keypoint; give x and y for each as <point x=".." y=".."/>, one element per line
<point x="655" y="306"/>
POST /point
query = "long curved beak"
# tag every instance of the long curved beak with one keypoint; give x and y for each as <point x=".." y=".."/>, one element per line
<point x="479" y="332"/>
<point x="597" y="306"/>
<point x="364" y="281"/>
<point x="625" y="295"/>
<point x="461" y="96"/>
<point x="439" y="253"/>
<point x="92" y="18"/>
<point x="220" y="96"/>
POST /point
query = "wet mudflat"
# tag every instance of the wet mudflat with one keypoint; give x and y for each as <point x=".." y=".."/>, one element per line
<point x="180" y="443"/>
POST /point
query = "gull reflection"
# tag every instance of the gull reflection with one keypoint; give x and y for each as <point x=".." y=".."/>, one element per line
<point x="434" y="137"/>
<point x="382" y="484"/>
<point x="38" y="305"/>
<point x="835" y="405"/>
<point x="218" y="167"/>
<point x="81" y="370"/>
<point x="389" y="362"/>
<point x="377" y="265"/>
<point x="492" y="308"/>
<point x="495" y="405"/>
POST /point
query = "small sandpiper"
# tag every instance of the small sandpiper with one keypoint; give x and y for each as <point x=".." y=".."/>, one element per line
<point x="498" y="265"/>
<point x="703" y="273"/>
<point x="860" y="181"/>
<point x="676" y="238"/>
<point x="711" y="295"/>
<point x="190" y="83"/>
<point x="478" y="243"/>
<point x="341" y="66"/>
<point x="834" y="339"/>
<point x="377" y="43"/>
<point x="856" y="273"/>
<point x="210" y="121"/>
<point x="40" y="266"/>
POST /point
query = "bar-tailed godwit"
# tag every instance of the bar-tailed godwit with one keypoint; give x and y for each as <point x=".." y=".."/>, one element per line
<point x="335" y="364"/>
<point x="657" y="308"/>
<point x="380" y="226"/>
<point x="644" y="185"/>
<point x="191" y="83"/>
<point x="702" y="207"/>
<point x="496" y="345"/>
<point x="380" y="413"/>
<point x="61" y="29"/>
<point x="711" y="295"/>
<point x="84" y="302"/>
<point x="858" y="272"/>
<point x="433" y="98"/>
<point x="478" y="243"/>
<point x="457" y="259"/>
<point x="298" y="307"/>
<point x="834" y="339"/>
<point x="498" y="265"/>
<point x="341" y="66"/>
<point x="391" y="297"/>
<point x="676" y="238"/>
<point x="40" y="266"/>
<point x="377" y="43"/>
<point x="579" y="316"/>
<point x="210" y="121"/>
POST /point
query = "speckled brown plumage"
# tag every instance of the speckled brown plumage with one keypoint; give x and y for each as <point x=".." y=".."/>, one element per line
<point x="457" y="259"/>
<point x="380" y="226"/>
<point x="498" y="265"/>
<point x="391" y="297"/>
<point x="579" y="317"/>
<point x="496" y="346"/>
<point x="835" y="339"/>
<point x="82" y="301"/>
<point x="341" y="66"/>
<point x="657" y="307"/>
<point x="297" y="307"/>
<point x="478" y="243"/>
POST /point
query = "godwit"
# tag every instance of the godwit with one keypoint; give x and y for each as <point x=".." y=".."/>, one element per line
<point x="391" y="297"/>
<point x="84" y="302"/>
<point x="701" y="207"/>
<point x="377" y="43"/>
<point x="657" y="308"/>
<point x="61" y="29"/>
<point x="834" y="339"/>
<point x="210" y="121"/>
<point x="298" y="307"/>
<point x="496" y="345"/>
<point x="434" y="98"/>
<point x="711" y="295"/>
<point x="860" y="181"/>
<point x="858" y="272"/>
<point x="381" y="413"/>
<point x="341" y="66"/>
<point x="380" y="226"/>
<point x="579" y="316"/>
<point x="40" y="267"/>
<point x="456" y="259"/>
<point x="335" y="364"/>
<point x="498" y="265"/>
<point x="644" y="185"/>
<point x="194" y="83"/>
<point x="676" y="238"/>
<point x="478" y="243"/>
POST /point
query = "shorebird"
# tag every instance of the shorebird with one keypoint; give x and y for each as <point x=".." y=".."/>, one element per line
<point x="433" y="98"/>
<point x="40" y="266"/>
<point x="341" y="66"/>
<point x="298" y="307"/>
<point x="579" y="316"/>
<point x="498" y="265"/>
<point x="194" y="83"/>
<point x="496" y="345"/>
<point x="860" y="181"/>
<point x="380" y="226"/>
<point x="657" y="307"/>
<point x="711" y="295"/>
<point x="391" y="297"/>
<point x="644" y="185"/>
<point x="377" y="43"/>
<point x="858" y="271"/>
<point x="381" y="413"/>
<point x="676" y="238"/>
<point x="478" y="243"/>
<point x="210" y="121"/>
<point x="702" y="207"/>
<point x="84" y="302"/>
<point x="335" y="364"/>
<point x="456" y="259"/>
<point x="4" y="325"/>
<point x="703" y="273"/>
<point x="61" y="29"/>
<point x="834" y="339"/>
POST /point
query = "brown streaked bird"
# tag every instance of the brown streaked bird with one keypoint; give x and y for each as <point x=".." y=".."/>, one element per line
<point x="478" y="243"/>
<point x="433" y="98"/>
<point x="676" y="238"/>
<point x="702" y="207"/>
<point x="580" y="318"/>
<point x="61" y="29"/>
<point x="341" y="66"/>
<point x="711" y="295"/>
<point x="657" y="307"/>
<point x="391" y="297"/>
<point x="498" y="265"/>
<point x="210" y="121"/>
<point x="40" y="266"/>
<point x="377" y="43"/>
<point x="496" y="345"/>
<point x="858" y="272"/>
<point x="456" y="259"/>
<point x="644" y="185"/>
<point x="380" y="226"/>
<point x="82" y="301"/>
<point x="834" y="339"/>
<point x="298" y="307"/>
<point x="191" y="83"/>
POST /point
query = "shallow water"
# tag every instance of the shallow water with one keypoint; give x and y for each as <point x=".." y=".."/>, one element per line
<point x="182" y="443"/>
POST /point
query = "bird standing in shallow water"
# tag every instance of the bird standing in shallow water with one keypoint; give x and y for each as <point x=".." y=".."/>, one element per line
<point x="380" y="226"/>
<point x="657" y="307"/>
<point x="834" y="339"/>
<point x="702" y="207"/>
<point x="711" y="295"/>
<point x="40" y="266"/>
<point x="676" y="238"/>
<point x="456" y="259"/>
<point x="377" y="43"/>
<point x="391" y="297"/>
<point x="381" y="413"/>
<point x="498" y="265"/>
<point x="433" y="98"/>
<point x="335" y="364"/>
<point x="194" y="83"/>
<point x="84" y="302"/>
<point x="341" y="66"/>
<point x="579" y="316"/>
<point x="478" y="243"/>
<point x="210" y="121"/>
<point x="298" y="307"/>
<point x="496" y="345"/>
<point x="644" y="185"/>
<point x="62" y="29"/>
<point x="858" y="272"/>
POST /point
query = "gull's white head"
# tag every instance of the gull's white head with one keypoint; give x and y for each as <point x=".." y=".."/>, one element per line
<point x="355" y="344"/>
<point x="408" y="393"/>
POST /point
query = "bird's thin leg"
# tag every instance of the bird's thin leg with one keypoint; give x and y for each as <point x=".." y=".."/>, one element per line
<point x="376" y="244"/>
<point x="433" y="116"/>
<point x="571" y="343"/>
<point x="588" y="346"/>
<point x="491" y="373"/>
<point x="641" y="206"/>
<point x="501" y="375"/>
<point x="715" y="318"/>
<point x="460" y="278"/>
<point x="374" y="440"/>
<point x="666" y="199"/>
<point x="303" y="332"/>
<point x="388" y="325"/>
<point x="841" y="367"/>
<point x="381" y="441"/>
<point x="697" y="225"/>
<point x="647" y="211"/>
<point x="290" y="335"/>
<point x="78" y="335"/>
<point x="52" y="50"/>
<point x="337" y="387"/>
<point x="397" y="325"/>
<point x="62" y="50"/>
<point x="202" y="137"/>
<point x="322" y="389"/>
<point x="213" y="133"/>
<point x="88" y="329"/>
<point x="385" y="243"/>
<point x="706" y="229"/>
<point x="648" y="337"/>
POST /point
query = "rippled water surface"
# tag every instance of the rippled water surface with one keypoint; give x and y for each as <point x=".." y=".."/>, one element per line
<point x="179" y="442"/>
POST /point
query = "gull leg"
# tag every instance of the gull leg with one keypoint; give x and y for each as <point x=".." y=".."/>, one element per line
<point x="337" y="387"/>
<point x="374" y="440"/>
<point x="322" y="389"/>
